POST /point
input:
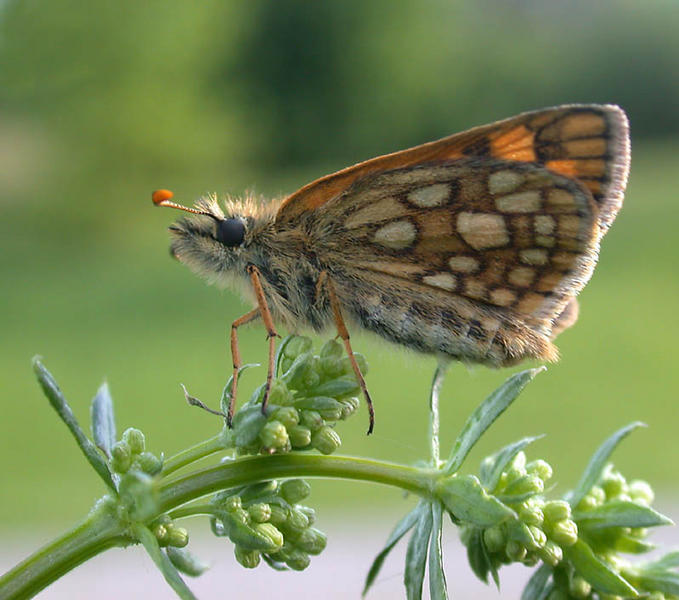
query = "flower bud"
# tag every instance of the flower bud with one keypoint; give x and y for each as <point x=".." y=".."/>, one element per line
<point x="598" y="494"/>
<point x="297" y="521"/>
<point x="557" y="594"/>
<point x="279" y="395"/>
<point x="540" y="468"/>
<point x="247" y="558"/>
<point x="134" y="438"/>
<point x="326" y="440"/>
<point x="348" y="369"/>
<point x="295" y="490"/>
<point x="641" y="492"/>
<point x="287" y="415"/>
<point x="579" y="587"/>
<point x="279" y="515"/>
<point x="274" y="436"/>
<point x="515" y="551"/>
<point x="539" y="536"/>
<point x="331" y="355"/>
<point x="311" y="541"/>
<point x="311" y="419"/>
<point x="296" y="346"/>
<point x="565" y="533"/>
<point x="232" y="504"/>
<point x="349" y="406"/>
<point x="300" y="436"/>
<point x="298" y="371"/>
<point x="149" y="463"/>
<point x="517" y="468"/>
<point x="258" y="490"/>
<point x="556" y="510"/>
<point x="161" y="533"/>
<point x="297" y="560"/>
<point x="309" y="512"/>
<point x="550" y="553"/>
<point x="588" y="502"/>
<point x="613" y="483"/>
<point x="531" y="514"/>
<point x="528" y="484"/>
<point x="260" y="512"/>
<point x="121" y="457"/>
<point x="494" y="538"/>
<point x="271" y="534"/>
<point x="177" y="537"/>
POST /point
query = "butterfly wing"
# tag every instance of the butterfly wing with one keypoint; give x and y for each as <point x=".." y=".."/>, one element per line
<point x="589" y="143"/>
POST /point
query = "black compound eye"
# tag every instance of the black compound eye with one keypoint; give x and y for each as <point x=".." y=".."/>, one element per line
<point x="231" y="232"/>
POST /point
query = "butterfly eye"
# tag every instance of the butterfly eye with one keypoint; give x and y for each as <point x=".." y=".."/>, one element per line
<point x="231" y="232"/>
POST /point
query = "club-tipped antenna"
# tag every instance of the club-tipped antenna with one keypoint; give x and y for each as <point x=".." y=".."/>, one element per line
<point x="162" y="198"/>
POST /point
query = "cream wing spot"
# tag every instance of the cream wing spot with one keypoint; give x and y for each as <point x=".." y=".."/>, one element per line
<point x="502" y="296"/>
<point x="544" y="225"/>
<point x="483" y="230"/>
<point x="396" y="235"/>
<point x="463" y="264"/>
<point x="385" y="209"/>
<point x="475" y="288"/>
<point x="432" y="195"/>
<point x="503" y="182"/>
<point x="521" y="276"/>
<point x="545" y="241"/>
<point x="444" y="281"/>
<point x="523" y="202"/>
<point x="533" y="256"/>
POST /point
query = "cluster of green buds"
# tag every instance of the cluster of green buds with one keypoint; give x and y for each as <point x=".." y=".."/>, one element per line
<point x="309" y="394"/>
<point x="130" y="453"/>
<point x="541" y="529"/>
<point x="266" y="522"/>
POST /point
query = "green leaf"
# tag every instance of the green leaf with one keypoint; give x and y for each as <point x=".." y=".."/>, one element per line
<point x="247" y="423"/>
<point x="598" y="462"/>
<point x="484" y="416"/>
<point x="477" y="555"/>
<point x="666" y="582"/>
<point x="538" y="585"/>
<point x="492" y="469"/>
<point x="280" y="353"/>
<point x="595" y="571"/>
<point x="465" y="498"/>
<point x="186" y="562"/>
<point x="103" y="420"/>
<point x="169" y="571"/>
<point x="402" y="527"/>
<point x="58" y="402"/>
<point x="668" y="561"/>
<point x="336" y="388"/>
<point x="437" y="576"/>
<point x="226" y="392"/>
<point x="620" y="513"/>
<point x="416" y="554"/>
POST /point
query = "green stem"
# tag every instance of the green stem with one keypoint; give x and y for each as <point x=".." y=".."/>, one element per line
<point x="194" y="453"/>
<point x="102" y="530"/>
<point x="99" y="532"/>
<point x="435" y="448"/>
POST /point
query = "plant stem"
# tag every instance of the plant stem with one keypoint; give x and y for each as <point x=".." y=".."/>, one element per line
<point x="99" y="532"/>
<point x="102" y="529"/>
<point x="435" y="449"/>
<point x="194" y="453"/>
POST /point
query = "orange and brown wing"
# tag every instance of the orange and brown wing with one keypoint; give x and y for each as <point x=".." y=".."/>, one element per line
<point x="589" y="143"/>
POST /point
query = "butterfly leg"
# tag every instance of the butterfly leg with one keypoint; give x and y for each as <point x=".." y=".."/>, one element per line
<point x="235" y="356"/>
<point x="344" y="334"/>
<point x="272" y="334"/>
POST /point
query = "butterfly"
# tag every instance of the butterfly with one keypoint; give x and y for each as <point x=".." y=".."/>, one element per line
<point x="473" y="247"/>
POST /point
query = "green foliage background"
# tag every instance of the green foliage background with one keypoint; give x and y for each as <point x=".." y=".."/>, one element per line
<point x="102" y="102"/>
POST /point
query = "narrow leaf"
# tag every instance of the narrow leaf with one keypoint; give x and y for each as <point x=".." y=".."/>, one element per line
<point x="402" y="527"/>
<point x="598" y="462"/>
<point x="477" y="555"/>
<point x="666" y="582"/>
<point x="595" y="571"/>
<point x="416" y="554"/>
<point x="58" y="402"/>
<point x="465" y="497"/>
<point x="492" y="469"/>
<point x="226" y="392"/>
<point x="103" y="420"/>
<point x="485" y="414"/>
<point x="438" y="589"/>
<point x="144" y="535"/>
<point x="620" y="513"/>
<point x="668" y="561"/>
<point x="186" y="562"/>
<point x="538" y="585"/>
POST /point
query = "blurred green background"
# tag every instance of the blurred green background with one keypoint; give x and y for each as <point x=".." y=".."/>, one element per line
<point x="102" y="102"/>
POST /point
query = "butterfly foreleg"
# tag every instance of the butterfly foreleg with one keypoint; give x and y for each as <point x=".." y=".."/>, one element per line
<point x="235" y="357"/>
<point x="325" y="281"/>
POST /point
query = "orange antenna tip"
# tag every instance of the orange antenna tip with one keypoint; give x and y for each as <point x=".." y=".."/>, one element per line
<point x="159" y="197"/>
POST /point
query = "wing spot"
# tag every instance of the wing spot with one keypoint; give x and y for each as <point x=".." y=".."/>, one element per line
<point x="396" y="235"/>
<point x="476" y="289"/>
<point x="503" y="182"/>
<point x="544" y="225"/>
<point x="533" y="256"/>
<point x="388" y="208"/>
<point x="561" y="200"/>
<point x="432" y="195"/>
<point x="483" y="230"/>
<point x="523" y="202"/>
<point x="530" y="303"/>
<point x="502" y="296"/>
<point x="521" y="276"/>
<point x="569" y="226"/>
<point x="463" y="264"/>
<point x="545" y="241"/>
<point x="444" y="281"/>
<point x="582" y="124"/>
<point x="549" y="282"/>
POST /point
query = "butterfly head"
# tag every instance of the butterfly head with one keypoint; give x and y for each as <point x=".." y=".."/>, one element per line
<point x="210" y="241"/>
